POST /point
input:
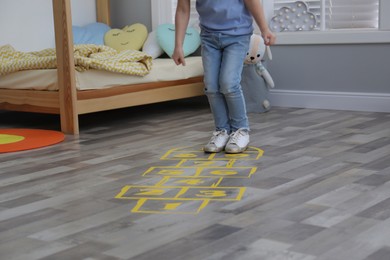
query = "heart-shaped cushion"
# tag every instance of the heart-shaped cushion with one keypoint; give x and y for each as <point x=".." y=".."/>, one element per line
<point x="90" y="34"/>
<point x="131" y="37"/>
<point x="166" y="39"/>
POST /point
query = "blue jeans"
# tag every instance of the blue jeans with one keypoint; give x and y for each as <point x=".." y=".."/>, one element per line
<point x="223" y="58"/>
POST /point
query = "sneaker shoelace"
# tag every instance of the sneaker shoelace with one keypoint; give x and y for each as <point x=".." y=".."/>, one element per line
<point x="234" y="136"/>
<point x="216" y="136"/>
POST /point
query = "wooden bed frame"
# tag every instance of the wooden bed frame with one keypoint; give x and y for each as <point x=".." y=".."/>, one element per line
<point x="68" y="102"/>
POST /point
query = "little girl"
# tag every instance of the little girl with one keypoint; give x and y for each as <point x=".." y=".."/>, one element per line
<point x="226" y="27"/>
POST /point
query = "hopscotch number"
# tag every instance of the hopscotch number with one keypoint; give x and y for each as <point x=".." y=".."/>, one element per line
<point x="172" y="206"/>
<point x="151" y="192"/>
<point x="211" y="193"/>
<point x="190" y="182"/>
<point x="224" y="172"/>
<point x="171" y="172"/>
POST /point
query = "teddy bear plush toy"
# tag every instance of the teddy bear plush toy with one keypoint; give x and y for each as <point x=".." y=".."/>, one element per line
<point x="255" y="78"/>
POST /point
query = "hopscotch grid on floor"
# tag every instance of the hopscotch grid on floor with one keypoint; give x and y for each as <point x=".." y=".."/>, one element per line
<point x="192" y="183"/>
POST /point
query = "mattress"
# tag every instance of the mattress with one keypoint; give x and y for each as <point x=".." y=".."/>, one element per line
<point x="163" y="69"/>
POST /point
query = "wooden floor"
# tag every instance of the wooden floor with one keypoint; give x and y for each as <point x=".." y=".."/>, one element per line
<point x="135" y="185"/>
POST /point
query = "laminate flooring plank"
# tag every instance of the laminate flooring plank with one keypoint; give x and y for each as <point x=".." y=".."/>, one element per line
<point x="22" y="201"/>
<point x="329" y="238"/>
<point x="237" y="243"/>
<point x="375" y="179"/>
<point x="156" y="234"/>
<point x="28" y="218"/>
<point x="381" y="254"/>
<point x="350" y="207"/>
<point x="42" y="204"/>
<point x="80" y="225"/>
<point x="321" y="190"/>
<point x="190" y="242"/>
<point x="86" y="250"/>
<point x="23" y="245"/>
<point x="40" y="252"/>
<point x="65" y="213"/>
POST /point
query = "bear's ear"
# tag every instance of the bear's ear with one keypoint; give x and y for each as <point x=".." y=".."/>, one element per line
<point x="268" y="51"/>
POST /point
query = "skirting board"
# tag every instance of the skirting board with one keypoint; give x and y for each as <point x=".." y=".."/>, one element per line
<point x="372" y="102"/>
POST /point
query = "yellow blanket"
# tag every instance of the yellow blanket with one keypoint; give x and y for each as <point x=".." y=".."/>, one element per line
<point x="86" y="56"/>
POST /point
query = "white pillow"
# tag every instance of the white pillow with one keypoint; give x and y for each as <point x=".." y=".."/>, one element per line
<point x="152" y="47"/>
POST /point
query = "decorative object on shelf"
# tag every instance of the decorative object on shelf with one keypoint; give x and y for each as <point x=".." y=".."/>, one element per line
<point x="293" y="17"/>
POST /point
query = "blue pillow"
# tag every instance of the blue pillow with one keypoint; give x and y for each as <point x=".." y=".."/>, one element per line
<point x="90" y="34"/>
<point x="166" y="39"/>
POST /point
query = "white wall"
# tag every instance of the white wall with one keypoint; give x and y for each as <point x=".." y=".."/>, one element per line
<point x="27" y="25"/>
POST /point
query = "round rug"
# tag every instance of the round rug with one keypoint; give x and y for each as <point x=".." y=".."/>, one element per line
<point x="12" y="140"/>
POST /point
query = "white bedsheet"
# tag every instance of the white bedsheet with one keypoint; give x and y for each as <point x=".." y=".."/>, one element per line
<point x="162" y="70"/>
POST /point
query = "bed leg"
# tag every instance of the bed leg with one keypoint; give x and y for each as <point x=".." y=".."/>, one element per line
<point x="65" y="66"/>
<point x="69" y="123"/>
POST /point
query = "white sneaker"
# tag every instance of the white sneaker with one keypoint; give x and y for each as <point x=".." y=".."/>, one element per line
<point x="217" y="142"/>
<point x="238" y="141"/>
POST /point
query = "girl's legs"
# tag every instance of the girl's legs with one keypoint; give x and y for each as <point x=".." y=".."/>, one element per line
<point x="223" y="58"/>
<point x="212" y="58"/>
<point x="234" y="52"/>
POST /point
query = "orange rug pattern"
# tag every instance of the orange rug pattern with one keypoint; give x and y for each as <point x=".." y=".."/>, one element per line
<point x="13" y="140"/>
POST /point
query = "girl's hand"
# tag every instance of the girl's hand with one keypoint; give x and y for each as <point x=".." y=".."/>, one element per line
<point x="178" y="56"/>
<point x="269" y="38"/>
